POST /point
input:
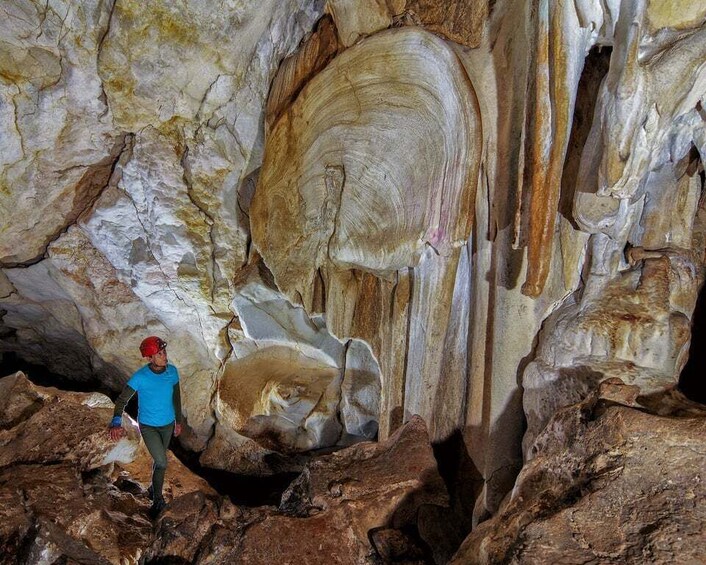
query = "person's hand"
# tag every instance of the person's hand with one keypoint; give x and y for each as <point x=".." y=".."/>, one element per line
<point x="116" y="432"/>
<point x="177" y="430"/>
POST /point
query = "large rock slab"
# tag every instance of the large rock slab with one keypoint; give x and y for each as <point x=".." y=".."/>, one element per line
<point x="610" y="483"/>
<point x="346" y="507"/>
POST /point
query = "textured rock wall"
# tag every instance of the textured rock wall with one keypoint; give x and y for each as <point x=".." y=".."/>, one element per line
<point x="342" y="214"/>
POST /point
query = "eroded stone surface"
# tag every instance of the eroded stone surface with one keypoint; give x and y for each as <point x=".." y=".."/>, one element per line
<point x="609" y="483"/>
<point x="631" y="319"/>
<point x="168" y="251"/>
<point x="351" y="224"/>
<point x="406" y="213"/>
<point x="131" y="139"/>
<point x="58" y="143"/>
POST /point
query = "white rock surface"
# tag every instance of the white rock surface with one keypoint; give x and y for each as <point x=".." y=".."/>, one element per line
<point x="160" y="233"/>
<point x="284" y="383"/>
<point x="58" y="142"/>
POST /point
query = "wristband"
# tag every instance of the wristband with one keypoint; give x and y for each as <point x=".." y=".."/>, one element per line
<point x="116" y="422"/>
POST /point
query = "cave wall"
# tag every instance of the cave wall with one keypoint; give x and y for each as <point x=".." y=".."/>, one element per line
<point x="342" y="214"/>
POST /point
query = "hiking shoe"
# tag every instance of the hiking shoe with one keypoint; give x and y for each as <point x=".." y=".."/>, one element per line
<point x="157" y="508"/>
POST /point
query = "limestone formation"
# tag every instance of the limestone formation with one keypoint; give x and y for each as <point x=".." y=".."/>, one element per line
<point x="286" y="381"/>
<point x="374" y="173"/>
<point x="340" y="215"/>
<point x="94" y="123"/>
<point x="631" y="319"/>
<point x="58" y="143"/>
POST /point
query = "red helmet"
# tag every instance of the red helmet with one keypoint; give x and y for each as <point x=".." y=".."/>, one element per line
<point x="152" y="345"/>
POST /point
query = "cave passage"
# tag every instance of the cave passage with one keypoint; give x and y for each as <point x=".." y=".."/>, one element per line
<point x="243" y="490"/>
<point x="691" y="381"/>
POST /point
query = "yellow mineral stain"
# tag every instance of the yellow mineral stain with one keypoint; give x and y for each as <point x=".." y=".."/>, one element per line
<point x="154" y="16"/>
<point x="174" y="130"/>
<point x="37" y="65"/>
<point x="678" y="14"/>
<point x="4" y="187"/>
<point x="8" y="74"/>
<point x="121" y="84"/>
<point x="245" y="380"/>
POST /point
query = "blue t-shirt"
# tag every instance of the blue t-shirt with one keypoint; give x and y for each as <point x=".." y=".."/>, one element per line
<point x="155" y="405"/>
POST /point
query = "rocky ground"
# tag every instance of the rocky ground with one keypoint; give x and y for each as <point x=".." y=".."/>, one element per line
<point x="616" y="478"/>
<point x="70" y="495"/>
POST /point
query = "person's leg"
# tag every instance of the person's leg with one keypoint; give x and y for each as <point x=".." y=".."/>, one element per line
<point x="165" y="434"/>
<point x="157" y="441"/>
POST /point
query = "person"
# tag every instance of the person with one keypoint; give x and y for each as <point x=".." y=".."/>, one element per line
<point x="158" y="411"/>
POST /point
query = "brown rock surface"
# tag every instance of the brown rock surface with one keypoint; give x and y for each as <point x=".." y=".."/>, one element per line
<point x="68" y="494"/>
<point x="53" y="511"/>
<point x="358" y="505"/>
<point x="67" y="491"/>
<point x="609" y="484"/>
<point x="300" y="67"/>
<point x="461" y="21"/>
<point x="334" y="508"/>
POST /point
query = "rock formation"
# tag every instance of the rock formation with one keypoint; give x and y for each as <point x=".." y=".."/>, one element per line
<point x="66" y="490"/>
<point x="611" y="483"/>
<point x="343" y="214"/>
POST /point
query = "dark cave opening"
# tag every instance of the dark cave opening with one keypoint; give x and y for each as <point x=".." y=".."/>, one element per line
<point x="10" y="363"/>
<point x="243" y="490"/>
<point x="691" y="380"/>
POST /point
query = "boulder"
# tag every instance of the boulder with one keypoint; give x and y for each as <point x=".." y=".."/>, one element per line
<point x="359" y="491"/>
<point x="615" y="479"/>
<point x="357" y="505"/>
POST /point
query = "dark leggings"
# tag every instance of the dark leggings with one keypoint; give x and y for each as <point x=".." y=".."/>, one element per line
<point x="157" y="441"/>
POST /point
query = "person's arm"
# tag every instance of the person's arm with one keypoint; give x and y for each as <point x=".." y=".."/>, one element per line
<point x="121" y="402"/>
<point x="176" y="399"/>
<point x="116" y="429"/>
